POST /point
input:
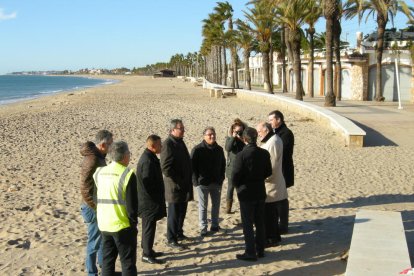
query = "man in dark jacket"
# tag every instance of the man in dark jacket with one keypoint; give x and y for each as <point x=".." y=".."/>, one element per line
<point x="276" y="119"/>
<point x="251" y="167"/>
<point x="151" y="199"/>
<point x="93" y="157"/>
<point x="208" y="163"/>
<point x="176" y="167"/>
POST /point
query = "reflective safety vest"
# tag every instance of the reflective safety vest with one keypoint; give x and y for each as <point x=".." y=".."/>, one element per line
<point x="111" y="182"/>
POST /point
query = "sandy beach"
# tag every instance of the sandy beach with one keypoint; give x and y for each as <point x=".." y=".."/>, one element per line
<point x="42" y="231"/>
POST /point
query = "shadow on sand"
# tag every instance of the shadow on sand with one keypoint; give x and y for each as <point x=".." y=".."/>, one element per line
<point x="320" y="243"/>
<point x="373" y="138"/>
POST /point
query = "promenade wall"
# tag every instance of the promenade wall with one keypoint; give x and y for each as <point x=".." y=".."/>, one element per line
<point x="353" y="136"/>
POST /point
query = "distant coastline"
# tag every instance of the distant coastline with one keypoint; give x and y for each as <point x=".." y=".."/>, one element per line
<point x="20" y="87"/>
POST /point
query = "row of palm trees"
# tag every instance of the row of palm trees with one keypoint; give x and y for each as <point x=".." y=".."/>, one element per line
<point x="278" y="26"/>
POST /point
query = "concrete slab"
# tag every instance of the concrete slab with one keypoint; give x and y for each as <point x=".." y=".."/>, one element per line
<point x="378" y="245"/>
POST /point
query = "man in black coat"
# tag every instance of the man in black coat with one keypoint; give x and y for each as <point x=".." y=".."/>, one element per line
<point x="176" y="167"/>
<point x="276" y="119"/>
<point x="208" y="163"/>
<point x="251" y="167"/>
<point x="151" y="199"/>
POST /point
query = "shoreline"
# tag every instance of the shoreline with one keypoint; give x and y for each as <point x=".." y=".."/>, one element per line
<point x="43" y="232"/>
<point x="108" y="81"/>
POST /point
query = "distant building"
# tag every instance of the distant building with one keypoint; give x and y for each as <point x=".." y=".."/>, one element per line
<point x="166" y="73"/>
<point x="358" y="69"/>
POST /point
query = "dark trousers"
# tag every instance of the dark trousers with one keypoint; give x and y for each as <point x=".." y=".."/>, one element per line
<point x="272" y="221"/>
<point x="252" y="213"/>
<point x="123" y="243"/>
<point x="149" y="225"/>
<point x="283" y="211"/>
<point x="175" y="220"/>
<point x="230" y="190"/>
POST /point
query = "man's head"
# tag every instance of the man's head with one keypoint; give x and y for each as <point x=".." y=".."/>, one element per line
<point x="250" y="135"/>
<point x="276" y="118"/>
<point x="154" y="143"/>
<point x="103" y="141"/>
<point x="263" y="129"/>
<point x="119" y="152"/>
<point x="177" y="128"/>
<point x="209" y="135"/>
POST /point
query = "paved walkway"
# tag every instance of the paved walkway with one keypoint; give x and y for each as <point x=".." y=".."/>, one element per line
<point x="384" y="123"/>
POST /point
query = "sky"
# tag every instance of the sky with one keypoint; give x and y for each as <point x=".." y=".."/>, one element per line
<point x="76" y="34"/>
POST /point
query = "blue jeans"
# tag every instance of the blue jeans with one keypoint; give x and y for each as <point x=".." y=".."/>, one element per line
<point x="215" y="193"/>
<point x="94" y="244"/>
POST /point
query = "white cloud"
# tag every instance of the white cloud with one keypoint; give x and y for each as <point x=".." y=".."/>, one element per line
<point x="4" y="16"/>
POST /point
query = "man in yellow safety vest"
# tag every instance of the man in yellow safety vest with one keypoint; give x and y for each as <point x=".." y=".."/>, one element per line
<point x="117" y="211"/>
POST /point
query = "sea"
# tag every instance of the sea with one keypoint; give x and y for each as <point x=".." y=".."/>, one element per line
<point x="15" y="88"/>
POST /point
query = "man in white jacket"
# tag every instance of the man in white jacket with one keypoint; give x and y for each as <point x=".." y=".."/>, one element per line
<point x="275" y="184"/>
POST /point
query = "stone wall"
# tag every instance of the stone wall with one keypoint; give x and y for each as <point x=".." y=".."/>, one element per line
<point x="359" y="81"/>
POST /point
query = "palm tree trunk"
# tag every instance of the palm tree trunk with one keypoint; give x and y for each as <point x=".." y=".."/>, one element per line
<point x="283" y="57"/>
<point x="266" y="84"/>
<point x="338" y="66"/>
<point x="329" y="97"/>
<point x="271" y="67"/>
<point x="233" y="70"/>
<point x="247" y="77"/>
<point x="295" y="38"/>
<point x="225" y="69"/>
<point x="311" y="32"/>
<point x="235" y="66"/>
<point x="380" y="48"/>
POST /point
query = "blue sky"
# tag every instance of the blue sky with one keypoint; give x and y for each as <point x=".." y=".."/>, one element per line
<point x="75" y="34"/>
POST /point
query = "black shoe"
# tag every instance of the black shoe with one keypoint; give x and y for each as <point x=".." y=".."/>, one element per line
<point x="260" y="254"/>
<point x="175" y="245"/>
<point x="215" y="229"/>
<point x="151" y="260"/>
<point x="156" y="254"/>
<point x="245" y="257"/>
<point x="204" y="232"/>
<point x="272" y="243"/>
<point x="182" y="237"/>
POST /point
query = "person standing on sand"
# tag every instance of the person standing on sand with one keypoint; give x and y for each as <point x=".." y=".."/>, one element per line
<point x="176" y="167"/>
<point x="151" y="199"/>
<point x="275" y="184"/>
<point x="93" y="157"/>
<point x="251" y="167"/>
<point x="117" y="211"/>
<point x="208" y="163"/>
<point x="234" y="144"/>
<point x="276" y="120"/>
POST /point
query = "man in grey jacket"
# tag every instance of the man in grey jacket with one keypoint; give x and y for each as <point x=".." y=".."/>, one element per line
<point x="176" y="167"/>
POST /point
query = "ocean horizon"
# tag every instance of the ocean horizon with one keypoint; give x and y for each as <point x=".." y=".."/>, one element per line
<point x="14" y="88"/>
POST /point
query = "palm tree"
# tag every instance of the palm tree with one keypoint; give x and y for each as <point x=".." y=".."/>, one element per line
<point x="246" y="41"/>
<point x="213" y="42"/>
<point x="262" y="17"/>
<point x="292" y="14"/>
<point x="330" y="11"/>
<point x="385" y="11"/>
<point x="225" y="11"/>
<point x="315" y="12"/>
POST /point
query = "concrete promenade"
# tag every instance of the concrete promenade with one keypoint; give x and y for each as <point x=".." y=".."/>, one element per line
<point x="382" y="121"/>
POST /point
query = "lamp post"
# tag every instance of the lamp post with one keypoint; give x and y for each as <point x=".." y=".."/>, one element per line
<point x="396" y="53"/>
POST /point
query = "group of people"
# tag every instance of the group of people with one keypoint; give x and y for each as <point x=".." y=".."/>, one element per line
<point x="114" y="196"/>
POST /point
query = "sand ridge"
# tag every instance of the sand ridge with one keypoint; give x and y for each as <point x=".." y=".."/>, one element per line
<point x="42" y="232"/>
